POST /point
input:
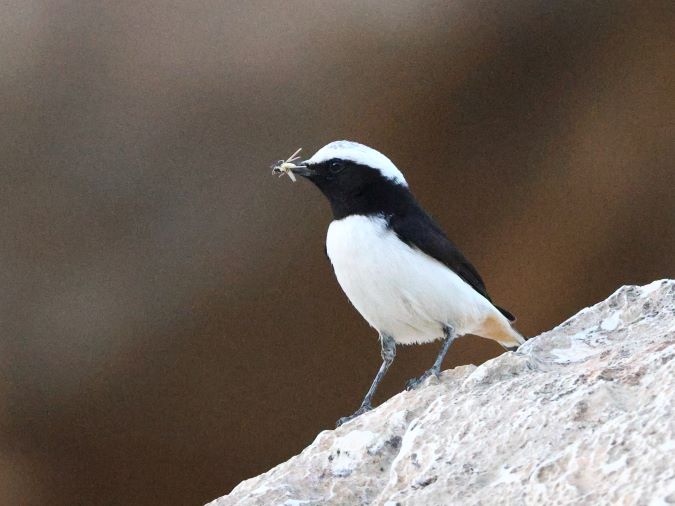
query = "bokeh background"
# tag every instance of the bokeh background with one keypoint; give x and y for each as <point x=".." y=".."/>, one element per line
<point x="170" y="325"/>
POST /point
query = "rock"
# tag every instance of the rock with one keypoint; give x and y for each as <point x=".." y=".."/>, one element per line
<point x="582" y="414"/>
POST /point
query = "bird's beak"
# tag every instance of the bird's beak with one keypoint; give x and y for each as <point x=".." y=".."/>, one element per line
<point x="304" y="169"/>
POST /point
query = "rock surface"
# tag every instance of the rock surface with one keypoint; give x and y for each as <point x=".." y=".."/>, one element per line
<point x="582" y="414"/>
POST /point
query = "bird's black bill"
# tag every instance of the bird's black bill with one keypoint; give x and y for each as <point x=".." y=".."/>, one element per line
<point x="303" y="170"/>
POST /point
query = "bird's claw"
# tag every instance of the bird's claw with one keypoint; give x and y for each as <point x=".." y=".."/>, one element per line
<point x="413" y="383"/>
<point x="363" y="409"/>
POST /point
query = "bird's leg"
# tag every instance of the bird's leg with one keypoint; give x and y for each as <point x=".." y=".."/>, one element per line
<point x="388" y="354"/>
<point x="436" y="368"/>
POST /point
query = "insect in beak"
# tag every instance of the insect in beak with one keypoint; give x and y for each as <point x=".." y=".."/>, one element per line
<point x="287" y="167"/>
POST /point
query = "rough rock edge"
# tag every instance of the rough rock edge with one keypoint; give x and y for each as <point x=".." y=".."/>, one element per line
<point x="581" y="413"/>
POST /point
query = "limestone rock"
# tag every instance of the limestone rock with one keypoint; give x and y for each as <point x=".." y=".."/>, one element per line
<point x="582" y="414"/>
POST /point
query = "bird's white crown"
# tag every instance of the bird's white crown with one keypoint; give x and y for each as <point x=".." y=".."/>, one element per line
<point x="363" y="155"/>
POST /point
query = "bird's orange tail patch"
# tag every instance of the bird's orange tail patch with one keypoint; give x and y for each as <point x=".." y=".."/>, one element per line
<point x="499" y="329"/>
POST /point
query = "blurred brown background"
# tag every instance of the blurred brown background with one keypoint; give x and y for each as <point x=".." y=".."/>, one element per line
<point x="170" y="323"/>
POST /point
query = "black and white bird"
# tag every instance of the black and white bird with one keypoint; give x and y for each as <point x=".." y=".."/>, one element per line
<point x="395" y="264"/>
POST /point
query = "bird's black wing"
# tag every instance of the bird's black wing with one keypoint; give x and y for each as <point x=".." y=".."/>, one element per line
<point x="418" y="230"/>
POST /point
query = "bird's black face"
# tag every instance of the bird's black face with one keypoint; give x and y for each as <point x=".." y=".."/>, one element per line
<point x="352" y="188"/>
<point x="338" y="178"/>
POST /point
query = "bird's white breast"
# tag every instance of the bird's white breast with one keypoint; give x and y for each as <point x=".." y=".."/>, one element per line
<point x="399" y="290"/>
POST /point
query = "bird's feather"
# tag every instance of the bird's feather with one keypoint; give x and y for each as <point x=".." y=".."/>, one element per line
<point x="417" y="229"/>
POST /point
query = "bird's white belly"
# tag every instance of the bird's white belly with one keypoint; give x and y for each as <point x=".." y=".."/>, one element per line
<point x="399" y="290"/>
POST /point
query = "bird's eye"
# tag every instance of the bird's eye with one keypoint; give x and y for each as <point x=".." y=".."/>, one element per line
<point x="335" y="167"/>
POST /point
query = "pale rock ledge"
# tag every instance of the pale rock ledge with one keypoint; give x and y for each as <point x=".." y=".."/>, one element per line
<point x="582" y="414"/>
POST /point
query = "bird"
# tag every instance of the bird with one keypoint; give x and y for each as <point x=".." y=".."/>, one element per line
<point x="394" y="262"/>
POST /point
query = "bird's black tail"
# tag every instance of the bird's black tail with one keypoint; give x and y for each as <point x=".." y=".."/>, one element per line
<point x="511" y="348"/>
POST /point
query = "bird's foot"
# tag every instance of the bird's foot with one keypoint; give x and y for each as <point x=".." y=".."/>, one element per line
<point x="412" y="384"/>
<point x="363" y="409"/>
